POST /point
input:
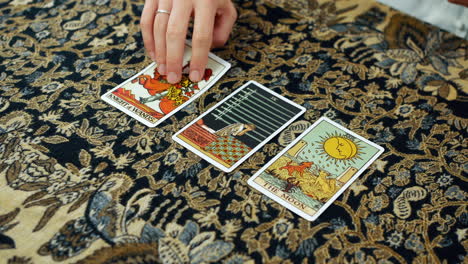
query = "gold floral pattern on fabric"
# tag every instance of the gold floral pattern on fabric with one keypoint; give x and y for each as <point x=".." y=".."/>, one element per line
<point x="81" y="182"/>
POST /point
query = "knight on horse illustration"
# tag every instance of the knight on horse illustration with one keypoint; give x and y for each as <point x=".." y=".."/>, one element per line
<point x="158" y="87"/>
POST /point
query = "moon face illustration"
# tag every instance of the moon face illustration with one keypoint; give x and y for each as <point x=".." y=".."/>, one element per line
<point x="340" y="148"/>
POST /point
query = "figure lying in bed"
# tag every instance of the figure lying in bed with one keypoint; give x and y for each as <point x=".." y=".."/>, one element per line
<point x="236" y="129"/>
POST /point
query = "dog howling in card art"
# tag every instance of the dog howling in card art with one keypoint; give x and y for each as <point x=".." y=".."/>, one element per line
<point x="295" y="168"/>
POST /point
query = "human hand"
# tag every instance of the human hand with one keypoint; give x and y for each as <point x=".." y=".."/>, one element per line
<point x="164" y="34"/>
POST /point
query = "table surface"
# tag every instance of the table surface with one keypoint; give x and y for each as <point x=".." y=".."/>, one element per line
<point x="82" y="182"/>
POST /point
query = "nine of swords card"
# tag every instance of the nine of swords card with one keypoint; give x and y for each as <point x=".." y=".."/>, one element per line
<point x="235" y="128"/>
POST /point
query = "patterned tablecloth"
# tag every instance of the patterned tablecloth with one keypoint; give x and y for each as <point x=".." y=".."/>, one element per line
<point x="82" y="182"/>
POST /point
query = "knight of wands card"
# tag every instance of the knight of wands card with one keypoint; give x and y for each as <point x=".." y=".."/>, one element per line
<point x="312" y="172"/>
<point x="150" y="98"/>
<point x="232" y="130"/>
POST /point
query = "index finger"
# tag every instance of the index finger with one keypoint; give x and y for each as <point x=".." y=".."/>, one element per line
<point x="146" y="24"/>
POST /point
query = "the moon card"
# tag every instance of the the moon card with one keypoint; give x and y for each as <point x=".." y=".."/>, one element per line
<point x="309" y="174"/>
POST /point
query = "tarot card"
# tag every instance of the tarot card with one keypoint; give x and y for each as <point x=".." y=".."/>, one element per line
<point x="232" y="130"/>
<point x="150" y="99"/>
<point x="310" y="173"/>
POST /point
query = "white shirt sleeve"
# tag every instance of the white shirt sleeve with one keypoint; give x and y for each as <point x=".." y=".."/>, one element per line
<point x="440" y="13"/>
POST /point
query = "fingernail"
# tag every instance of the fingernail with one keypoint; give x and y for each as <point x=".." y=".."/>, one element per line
<point x="151" y="54"/>
<point x="172" y="77"/>
<point x="195" y="76"/>
<point x="162" y="69"/>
